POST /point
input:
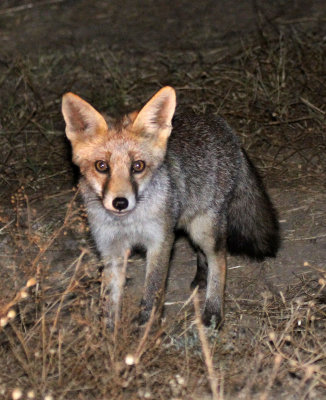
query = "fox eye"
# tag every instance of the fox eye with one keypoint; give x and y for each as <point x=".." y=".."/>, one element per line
<point x="138" y="166"/>
<point x="101" y="166"/>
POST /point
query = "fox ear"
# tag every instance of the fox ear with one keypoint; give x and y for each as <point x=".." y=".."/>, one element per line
<point x="80" y="117"/>
<point x="155" y="118"/>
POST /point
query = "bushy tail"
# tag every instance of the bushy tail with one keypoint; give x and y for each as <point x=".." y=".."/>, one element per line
<point x="253" y="228"/>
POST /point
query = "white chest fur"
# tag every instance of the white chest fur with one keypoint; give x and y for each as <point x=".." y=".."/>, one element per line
<point x="113" y="235"/>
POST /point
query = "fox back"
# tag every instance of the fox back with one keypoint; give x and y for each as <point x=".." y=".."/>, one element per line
<point x="147" y="175"/>
<point x="210" y="170"/>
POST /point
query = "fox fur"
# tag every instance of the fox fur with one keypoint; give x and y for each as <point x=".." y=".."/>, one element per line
<point x="153" y="172"/>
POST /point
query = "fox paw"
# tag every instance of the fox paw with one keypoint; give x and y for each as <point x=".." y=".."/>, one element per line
<point x="201" y="283"/>
<point x="212" y="319"/>
<point x="109" y="323"/>
<point x="142" y="317"/>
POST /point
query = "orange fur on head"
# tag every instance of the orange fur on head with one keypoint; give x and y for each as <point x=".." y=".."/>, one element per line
<point x="90" y="136"/>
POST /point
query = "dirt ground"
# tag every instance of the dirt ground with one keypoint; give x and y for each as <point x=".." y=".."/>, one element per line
<point x="262" y="66"/>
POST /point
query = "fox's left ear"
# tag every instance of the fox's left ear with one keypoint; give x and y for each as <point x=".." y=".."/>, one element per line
<point x="81" y="118"/>
<point x="155" y="118"/>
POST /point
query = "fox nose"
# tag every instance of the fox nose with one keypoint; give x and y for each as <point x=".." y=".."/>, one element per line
<point x="120" y="203"/>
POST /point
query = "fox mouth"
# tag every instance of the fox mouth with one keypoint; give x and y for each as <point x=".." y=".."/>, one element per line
<point x="120" y="213"/>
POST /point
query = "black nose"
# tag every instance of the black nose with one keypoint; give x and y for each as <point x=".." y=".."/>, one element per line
<point x="120" y="203"/>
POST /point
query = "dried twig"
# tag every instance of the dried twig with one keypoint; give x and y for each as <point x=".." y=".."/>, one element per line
<point x="29" y="6"/>
<point x="272" y="377"/>
<point x="205" y="347"/>
<point x="140" y="348"/>
<point x="312" y="106"/>
<point x="22" y="294"/>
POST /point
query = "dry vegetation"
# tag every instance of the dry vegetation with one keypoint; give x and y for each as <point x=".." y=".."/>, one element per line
<point x="52" y="339"/>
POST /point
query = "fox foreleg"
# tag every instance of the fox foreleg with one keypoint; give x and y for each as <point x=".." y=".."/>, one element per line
<point x="157" y="267"/>
<point x="113" y="281"/>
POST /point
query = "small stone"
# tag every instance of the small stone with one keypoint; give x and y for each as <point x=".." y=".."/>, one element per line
<point x="11" y="314"/>
<point x="31" y="394"/>
<point x="16" y="394"/>
<point x="130" y="359"/>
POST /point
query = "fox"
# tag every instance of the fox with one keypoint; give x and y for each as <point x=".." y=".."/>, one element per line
<point x="156" y="171"/>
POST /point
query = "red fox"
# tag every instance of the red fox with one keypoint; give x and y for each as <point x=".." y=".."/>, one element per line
<point x="152" y="172"/>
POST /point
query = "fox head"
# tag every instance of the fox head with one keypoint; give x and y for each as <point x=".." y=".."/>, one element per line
<point x="118" y="159"/>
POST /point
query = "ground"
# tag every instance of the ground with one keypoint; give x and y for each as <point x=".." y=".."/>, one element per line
<point x="263" y="68"/>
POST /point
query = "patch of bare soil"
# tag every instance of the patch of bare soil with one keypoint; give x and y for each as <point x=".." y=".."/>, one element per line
<point x="260" y="66"/>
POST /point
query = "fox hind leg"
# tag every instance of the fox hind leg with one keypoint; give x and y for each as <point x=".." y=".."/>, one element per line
<point x="200" y="279"/>
<point x="214" y="302"/>
<point x="202" y="230"/>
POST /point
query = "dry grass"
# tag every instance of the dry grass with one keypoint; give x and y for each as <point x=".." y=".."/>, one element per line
<point x="53" y="340"/>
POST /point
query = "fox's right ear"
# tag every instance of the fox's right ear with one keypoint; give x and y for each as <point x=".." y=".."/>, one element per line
<point x="80" y="117"/>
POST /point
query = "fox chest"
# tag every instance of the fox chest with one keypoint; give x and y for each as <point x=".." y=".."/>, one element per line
<point x="114" y="236"/>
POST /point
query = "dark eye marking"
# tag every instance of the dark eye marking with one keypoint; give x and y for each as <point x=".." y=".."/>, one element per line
<point x="138" y="166"/>
<point x="101" y="166"/>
